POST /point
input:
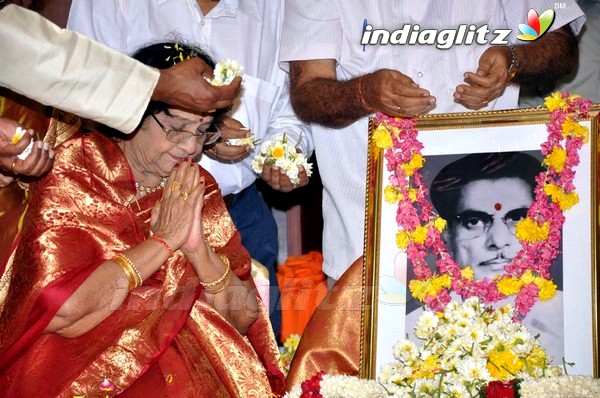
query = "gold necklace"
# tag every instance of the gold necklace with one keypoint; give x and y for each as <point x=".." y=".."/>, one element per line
<point x="144" y="190"/>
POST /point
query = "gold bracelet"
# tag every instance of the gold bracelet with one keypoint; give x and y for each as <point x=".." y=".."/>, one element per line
<point x="224" y="285"/>
<point x="222" y="277"/>
<point x="133" y="274"/>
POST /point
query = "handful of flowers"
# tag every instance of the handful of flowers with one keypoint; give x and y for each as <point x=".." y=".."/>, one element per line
<point x="19" y="133"/>
<point x="465" y="348"/>
<point x="280" y="153"/>
<point x="225" y="71"/>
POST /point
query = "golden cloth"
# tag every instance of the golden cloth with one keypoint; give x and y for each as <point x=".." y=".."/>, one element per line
<point x="331" y="340"/>
<point x="164" y="340"/>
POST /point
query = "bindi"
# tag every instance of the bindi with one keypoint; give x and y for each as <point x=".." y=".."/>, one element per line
<point x="498" y="206"/>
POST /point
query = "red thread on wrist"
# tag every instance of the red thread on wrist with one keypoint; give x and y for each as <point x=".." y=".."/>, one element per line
<point x="362" y="98"/>
<point x="164" y="244"/>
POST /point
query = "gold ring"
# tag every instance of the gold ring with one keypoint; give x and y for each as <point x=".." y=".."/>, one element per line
<point x="12" y="166"/>
<point x="185" y="196"/>
<point x="175" y="186"/>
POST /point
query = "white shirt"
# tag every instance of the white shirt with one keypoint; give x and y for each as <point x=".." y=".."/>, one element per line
<point x="332" y="29"/>
<point x="245" y="30"/>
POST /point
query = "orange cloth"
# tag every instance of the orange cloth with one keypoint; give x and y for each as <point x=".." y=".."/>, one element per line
<point x="165" y="340"/>
<point x="303" y="285"/>
<point x="331" y="340"/>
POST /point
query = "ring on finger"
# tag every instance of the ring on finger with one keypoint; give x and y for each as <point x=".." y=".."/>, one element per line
<point x="175" y="186"/>
<point x="185" y="196"/>
<point x="12" y="166"/>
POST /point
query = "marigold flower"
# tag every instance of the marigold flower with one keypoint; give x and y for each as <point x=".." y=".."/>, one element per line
<point x="391" y="194"/>
<point x="509" y="286"/>
<point x="528" y="230"/>
<point x="556" y="159"/>
<point x="557" y="195"/>
<point x="547" y="288"/>
<point x="419" y="235"/>
<point x="440" y="224"/>
<point x="382" y="138"/>
<point x="467" y="273"/>
<point x="571" y="127"/>
<point x="555" y="101"/>
<point x="402" y="240"/>
<point x="415" y="163"/>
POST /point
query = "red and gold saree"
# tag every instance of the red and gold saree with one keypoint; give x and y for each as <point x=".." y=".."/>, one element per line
<point x="164" y="340"/>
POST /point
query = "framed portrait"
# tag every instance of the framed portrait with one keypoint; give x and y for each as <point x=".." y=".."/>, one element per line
<point x="480" y="171"/>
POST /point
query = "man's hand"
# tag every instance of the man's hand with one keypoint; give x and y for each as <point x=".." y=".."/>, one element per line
<point x="37" y="163"/>
<point x="230" y="129"/>
<point x="488" y="82"/>
<point x="395" y="94"/>
<point x="183" y="85"/>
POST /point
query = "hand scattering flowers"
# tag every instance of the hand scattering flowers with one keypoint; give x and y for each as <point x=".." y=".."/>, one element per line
<point x="19" y="133"/>
<point x="225" y="71"/>
<point x="280" y="153"/>
<point x="290" y="345"/>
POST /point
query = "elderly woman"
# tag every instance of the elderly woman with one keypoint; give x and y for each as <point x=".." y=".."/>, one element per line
<point x="129" y="277"/>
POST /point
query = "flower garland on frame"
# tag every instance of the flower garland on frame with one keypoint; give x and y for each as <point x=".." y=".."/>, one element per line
<point x="527" y="277"/>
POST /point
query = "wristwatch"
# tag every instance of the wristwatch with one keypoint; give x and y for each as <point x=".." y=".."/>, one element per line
<point x="514" y="65"/>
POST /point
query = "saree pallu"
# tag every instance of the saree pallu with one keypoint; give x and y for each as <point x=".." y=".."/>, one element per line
<point x="164" y="340"/>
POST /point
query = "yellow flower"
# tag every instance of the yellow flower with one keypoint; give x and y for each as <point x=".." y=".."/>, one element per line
<point x="277" y="152"/>
<point x="547" y="288"/>
<point x="391" y="194"/>
<point x="503" y="364"/>
<point x="415" y="163"/>
<point x="402" y="239"/>
<point x="555" y="101"/>
<point x="528" y="277"/>
<point x="556" y="159"/>
<point x="538" y="358"/>
<point x="509" y="286"/>
<point x="429" y="287"/>
<point x="467" y="273"/>
<point x="439" y="223"/>
<point x="528" y="230"/>
<point x="382" y="137"/>
<point x="412" y="194"/>
<point x="557" y="195"/>
<point x="419" y="234"/>
<point x="570" y="127"/>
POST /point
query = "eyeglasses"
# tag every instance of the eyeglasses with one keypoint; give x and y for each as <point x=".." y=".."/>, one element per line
<point x="472" y="224"/>
<point x="179" y="136"/>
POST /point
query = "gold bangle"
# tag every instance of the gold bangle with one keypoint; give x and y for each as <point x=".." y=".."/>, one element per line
<point x="222" y="277"/>
<point x="133" y="274"/>
<point x="224" y="285"/>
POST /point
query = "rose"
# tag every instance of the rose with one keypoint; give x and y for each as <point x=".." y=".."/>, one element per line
<point x="500" y="389"/>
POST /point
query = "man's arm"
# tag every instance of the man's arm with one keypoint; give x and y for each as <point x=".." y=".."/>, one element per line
<point x="71" y="72"/>
<point x="540" y="62"/>
<point x="318" y="97"/>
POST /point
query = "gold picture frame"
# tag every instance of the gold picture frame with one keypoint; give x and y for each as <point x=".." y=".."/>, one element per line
<point x="459" y="134"/>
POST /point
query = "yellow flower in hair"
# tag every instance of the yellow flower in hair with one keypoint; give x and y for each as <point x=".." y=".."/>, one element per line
<point x="382" y="138"/>
<point x="467" y="273"/>
<point x="556" y="159"/>
<point x="547" y="288"/>
<point x="509" y="285"/>
<point x="528" y="230"/>
<point x="391" y="194"/>
<point x="402" y="239"/>
<point x="570" y="127"/>
<point x="555" y="101"/>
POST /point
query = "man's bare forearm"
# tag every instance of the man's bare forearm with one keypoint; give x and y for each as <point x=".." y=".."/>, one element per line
<point x="545" y="60"/>
<point x="327" y="102"/>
